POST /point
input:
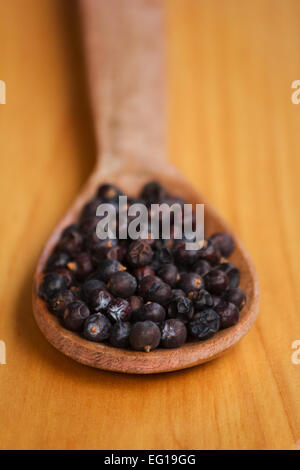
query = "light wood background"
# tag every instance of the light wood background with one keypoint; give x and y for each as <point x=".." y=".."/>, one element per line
<point x="234" y="132"/>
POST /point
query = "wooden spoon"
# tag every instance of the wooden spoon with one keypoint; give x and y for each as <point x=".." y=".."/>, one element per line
<point x="124" y="45"/>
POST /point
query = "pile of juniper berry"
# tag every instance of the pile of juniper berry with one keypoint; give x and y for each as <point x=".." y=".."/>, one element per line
<point x="143" y="293"/>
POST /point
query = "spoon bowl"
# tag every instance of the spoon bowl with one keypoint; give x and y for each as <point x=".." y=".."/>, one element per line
<point x="130" y="136"/>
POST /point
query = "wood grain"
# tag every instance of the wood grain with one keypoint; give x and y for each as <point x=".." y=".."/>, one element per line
<point x="233" y="131"/>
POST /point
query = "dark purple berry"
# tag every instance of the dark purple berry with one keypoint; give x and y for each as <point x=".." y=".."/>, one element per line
<point x="60" y="301"/>
<point x="153" y="192"/>
<point x="181" y="308"/>
<point x="159" y="292"/>
<point x="173" y="333"/>
<point x="90" y="285"/>
<point x="232" y="273"/>
<point x="153" y="311"/>
<point x="185" y="257"/>
<point x="190" y="282"/>
<point x="169" y="274"/>
<point x="216" y="282"/>
<point x="99" y="300"/>
<point x="146" y="283"/>
<point x="201" y="299"/>
<point x="97" y="327"/>
<point x="229" y="314"/>
<point x="162" y="256"/>
<point x="71" y="241"/>
<point x="58" y="259"/>
<point x="210" y="252"/>
<point x="119" y="310"/>
<point x="139" y="254"/>
<point x="97" y="246"/>
<point x="136" y="303"/>
<point x="143" y="271"/>
<point x="201" y="267"/>
<point x="122" y="284"/>
<point x="236" y="296"/>
<point x="177" y="293"/>
<point x="67" y="275"/>
<point x="144" y="336"/>
<point x="52" y="283"/>
<point x="216" y="301"/>
<point x="87" y="226"/>
<point x="224" y="243"/>
<point x="108" y="267"/>
<point x="90" y="209"/>
<point x="119" y="337"/>
<point x="75" y="315"/>
<point x="81" y="266"/>
<point x="109" y="192"/>
<point x="204" y="324"/>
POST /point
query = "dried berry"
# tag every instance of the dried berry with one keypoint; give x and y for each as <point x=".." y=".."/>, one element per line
<point x="75" y="315"/>
<point x="153" y="311"/>
<point x="60" y="302"/>
<point x="201" y="299"/>
<point x="119" y="310"/>
<point x="119" y="337"/>
<point x="153" y="192"/>
<point x="71" y="241"/>
<point x="136" y="303"/>
<point x="66" y="273"/>
<point x="90" y="285"/>
<point x="204" y="324"/>
<point x="210" y="252"/>
<point x="177" y="293"/>
<point x="58" y="259"/>
<point x="122" y="284"/>
<point x="229" y="314"/>
<point x="144" y="336"/>
<point x="232" y="273"/>
<point x="51" y="285"/>
<point x="185" y="257"/>
<point x="142" y="272"/>
<point x="97" y="327"/>
<point x="99" y="300"/>
<point x="139" y="253"/>
<point x="216" y="282"/>
<point x="190" y="282"/>
<point x="108" y="267"/>
<point x="162" y="256"/>
<point x="97" y="246"/>
<point x="145" y="285"/>
<point x="90" y="209"/>
<point x="109" y="192"/>
<point x="173" y="333"/>
<point x="201" y="267"/>
<point x="224" y="243"/>
<point x="236" y="296"/>
<point x="81" y="266"/>
<point x="216" y="301"/>
<point x="159" y="292"/>
<point x="169" y="274"/>
<point x="181" y="308"/>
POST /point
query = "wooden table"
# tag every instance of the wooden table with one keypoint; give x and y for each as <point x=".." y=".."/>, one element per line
<point x="234" y="132"/>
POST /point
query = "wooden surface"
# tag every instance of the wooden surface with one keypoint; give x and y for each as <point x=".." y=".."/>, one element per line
<point x="233" y="131"/>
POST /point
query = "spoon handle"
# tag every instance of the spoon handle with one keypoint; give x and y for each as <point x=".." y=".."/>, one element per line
<point x="124" y="43"/>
